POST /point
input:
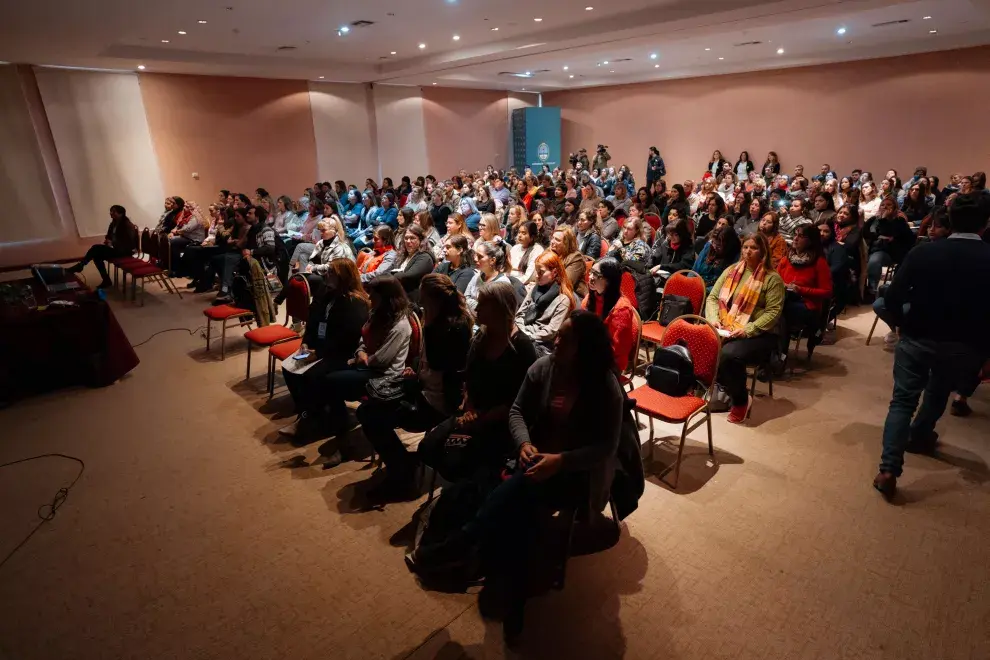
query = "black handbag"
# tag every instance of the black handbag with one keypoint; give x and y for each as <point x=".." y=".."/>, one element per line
<point x="672" y="307"/>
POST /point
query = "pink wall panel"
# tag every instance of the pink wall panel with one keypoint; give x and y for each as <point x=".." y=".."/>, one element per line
<point x="465" y="129"/>
<point x="876" y="114"/>
<point x="236" y="133"/>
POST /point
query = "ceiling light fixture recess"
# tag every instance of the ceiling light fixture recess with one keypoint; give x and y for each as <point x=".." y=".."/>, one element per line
<point x="708" y="49"/>
<point x="322" y="77"/>
<point x="566" y="67"/>
<point x="342" y="30"/>
<point x="182" y="31"/>
<point x="422" y="46"/>
<point x="457" y="37"/>
<point x="605" y="62"/>
<point x="656" y="66"/>
<point x="588" y="8"/>
<point x="926" y="18"/>
<point x="537" y="19"/>
<point x="164" y="41"/>
<point x="141" y="66"/>
<point x="653" y="56"/>
<point x="780" y="51"/>
<point x="933" y="32"/>
<point x="841" y="31"/>
<point x="202" y="22"/>
<point x="393" y="52"/>
<point x="495" y="29"/>
<point x="720" y="59"/>
<point x="571" y="76"/>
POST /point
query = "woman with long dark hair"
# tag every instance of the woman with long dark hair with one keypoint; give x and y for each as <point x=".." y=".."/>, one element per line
<point x="523" y="255"/>
<point x="808" y="281"/>
<point x="605" y="300"/>
<point x="707" y="217"/>
<point x="383" y="254"/>
<point x="456" y="262"/>
<point x="889" y="238"/>
<point x="415" y="259"/>
<point x="673" y="250"/>
<point x="446" y="339"/>
<point x="721" y="250"/>
<point x="676" y="200"/>
<point x="589" y="234"/>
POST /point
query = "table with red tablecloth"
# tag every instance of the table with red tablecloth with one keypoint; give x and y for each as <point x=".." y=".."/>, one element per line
<point x="52" y="346"/>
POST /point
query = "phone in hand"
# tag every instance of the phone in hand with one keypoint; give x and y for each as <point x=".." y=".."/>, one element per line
<point x="302" y="356"/>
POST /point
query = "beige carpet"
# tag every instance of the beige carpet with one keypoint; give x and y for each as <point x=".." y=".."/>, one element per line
<point x="188" y="537"/>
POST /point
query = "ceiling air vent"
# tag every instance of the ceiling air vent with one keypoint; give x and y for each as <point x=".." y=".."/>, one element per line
<point x="285" y="48"/>
<point x="361" y="24"/>
<point x="624" y="59"/>
<point x="889" y="23"/>
<point x="748" y="43"/>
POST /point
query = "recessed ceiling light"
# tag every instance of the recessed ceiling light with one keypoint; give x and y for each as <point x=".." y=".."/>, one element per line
<point x="141" y="66"/>
<point x="927" y="18"/>
<point x="344" y="29"/>
<point x="653" y="56"/>
<point x="566" y="67"/>
<point x="181" y="31"/>
<point x="457" y="37"/>
<point x="322" y="77"/>
<point x="841" y="31"/>
<point x="708" y="49"/>
<point x="202" y="22"/>
<point x="571" y="76"/>
<point x="528" y="73"/>
<point x="537" y="19"/>
<point x="434" y="83"/>
<point x="422" y="46"/>
<point x="656" y="66"/>
<point x="933" y="32"/>
<point x="495" y="29"/>
<point x="588" y="8"/>
<point x="611" y="70"/>
<point x="164" y="41"/>
<point x="721" y="58"/>
<point x="780" y="51"/>
<point x="393" y="52"/>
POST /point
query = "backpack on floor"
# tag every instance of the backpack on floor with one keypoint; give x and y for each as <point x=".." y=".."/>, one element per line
<point x="672" y="371"/>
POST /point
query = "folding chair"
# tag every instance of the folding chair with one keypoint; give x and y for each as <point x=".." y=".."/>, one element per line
<point x="706" y="347"/>
<point x="224" y="314"/>
<point x="155" y="269"/>
<point x="685" y="283"/>
<point x="296" y="305"/>
<point x="626" y="377"/>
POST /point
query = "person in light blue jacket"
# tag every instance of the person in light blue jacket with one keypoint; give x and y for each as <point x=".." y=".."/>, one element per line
<point x="386" y="214"/>
<point x="469" y="210"/>
<point x="351" y="208"/>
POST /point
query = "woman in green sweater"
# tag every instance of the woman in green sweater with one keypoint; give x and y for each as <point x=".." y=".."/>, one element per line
<point x="744" y="305"/>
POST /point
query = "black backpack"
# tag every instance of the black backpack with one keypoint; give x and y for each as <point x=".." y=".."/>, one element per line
<point x="672" y="371"/>
<point x="647" y="300"/>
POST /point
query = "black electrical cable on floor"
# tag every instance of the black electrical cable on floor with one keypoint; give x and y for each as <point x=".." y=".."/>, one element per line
<point x="46" y="511"/>
<point x="191" y="333"/>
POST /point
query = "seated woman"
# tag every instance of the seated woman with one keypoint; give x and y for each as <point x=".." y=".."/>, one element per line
<point x="446" y="339"/>
<point x="173" y="207"/>
<point x="889" y="238"/>
<point x="305" y="239"/>
<point x="327" y="231"/>
<point x="605" y="300"/>
<point x="351" y="213"/>
<point x="676" y="200"/>
<point x="547" y="303"/>
<point x="433" y="238"/>
<point x="835" y="257"/>
<point x="332" y="245"/>
<point x="457" y="261"/>
<point x="455" y="225"/>
<point x="190" y="229"/>
<point x="565" y="425"/>
<point x="749" y="221"/>
<point x="488" y="230"/>
<point x="383" y="256"/>
<point x="544" y="229"/>
<point x="414" y="261"/>
<point x="823" y="208"/>
<point x="564" y="244"/>
<point x="491" y="263"/>
<point x="745" y="305"/>
<point x="808" y="281"/>
<point x="283" y="216"/>
<point x="516" y="217"/>
<point x="336" y="315"/>
<point x="630" y="246"/>
<point x="721" y="250"/>
<point x="121" y="240"/>
<point x="569" y="214"/>
<point x="770" y="229"/>
<point x="916" y="205"/>
<point x="439" y="210"/>
<point x="523" y="255"/>
<point x="673" y="250"/>
<point x="589" y="235"/>
<point x="497" y="362"/>
<point x="711" y="210"/>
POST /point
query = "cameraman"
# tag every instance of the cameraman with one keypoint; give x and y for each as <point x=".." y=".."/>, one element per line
<point x="601" y="158"/>
<point x="583" y="159"/>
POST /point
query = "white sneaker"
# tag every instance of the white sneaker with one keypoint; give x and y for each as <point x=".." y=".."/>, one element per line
<point x="890" y="339"/>
<point x="291" y="430"/>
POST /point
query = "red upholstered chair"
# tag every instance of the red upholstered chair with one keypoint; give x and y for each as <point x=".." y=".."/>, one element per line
<point x="605" y="248"/>
<point x="279" y="353"/>
<point x="625" y="378"/>
<point x="627" y="287"/>
<point x="154" y="269"/>
<point x="362" y="256"/>
<point x="653" y="220"/>
<point x="705" y="346"/>
<point x="224" y="314"/>
<point x="296" y="306"/>
<point x="685" y="283"/>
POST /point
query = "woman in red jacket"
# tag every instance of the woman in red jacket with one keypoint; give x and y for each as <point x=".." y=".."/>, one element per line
<point x="606" y="301"/>
<point x="808" y="280"/>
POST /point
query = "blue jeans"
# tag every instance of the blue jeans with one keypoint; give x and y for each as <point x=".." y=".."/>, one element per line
<point x="933" y="367"/>
<point x="874" y="269"/>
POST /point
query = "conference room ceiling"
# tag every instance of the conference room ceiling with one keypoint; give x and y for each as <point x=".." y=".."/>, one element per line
<point x="512" y="44"/>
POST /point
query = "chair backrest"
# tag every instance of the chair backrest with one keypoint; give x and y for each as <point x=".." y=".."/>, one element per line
<point x="149" y="244"/>
<point x="297" y="298"/>
<point x="634" y="353"/>
<point x="689" y="284"/>
<point x="164" y="252"/>
<point x="702" y="341"/>
<point x="415" y="341"/>
<point x="362" y="256"/>
<point x="627" y="287"/>
<point x="588" y="264"/>
<point x="604" y="249"/>
<point x="653" y="220"/>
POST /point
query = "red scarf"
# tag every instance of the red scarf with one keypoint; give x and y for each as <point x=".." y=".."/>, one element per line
<point x="370" y="265"/>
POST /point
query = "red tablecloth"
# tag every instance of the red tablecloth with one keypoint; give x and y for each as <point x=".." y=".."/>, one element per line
<point x="44" y="349"/>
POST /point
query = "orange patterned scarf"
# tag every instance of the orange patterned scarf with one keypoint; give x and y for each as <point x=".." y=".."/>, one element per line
<point x="735" y="303"/>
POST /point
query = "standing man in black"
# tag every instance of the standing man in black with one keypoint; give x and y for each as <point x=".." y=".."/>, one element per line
<point x="655" y="169"/>
<point x="942" y="301"/>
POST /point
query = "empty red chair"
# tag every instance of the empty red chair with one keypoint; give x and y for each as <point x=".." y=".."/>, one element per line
<point x="296" y="306"/>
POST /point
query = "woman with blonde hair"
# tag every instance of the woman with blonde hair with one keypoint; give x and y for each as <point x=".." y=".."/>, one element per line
<point x="332" y="245"/>
<point x="564" y="243"/>
<point x="547" y="303"/>
<point x="516" y="219"/>
<point x="456" y="225"/>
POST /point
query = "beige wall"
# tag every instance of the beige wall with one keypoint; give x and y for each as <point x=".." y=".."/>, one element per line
<point x="465" y="129"/>
<point x="344" y="124"/>
<point x="898" y="112"/>
<point x="236" y="133"/>
<point x="401" y="138"/>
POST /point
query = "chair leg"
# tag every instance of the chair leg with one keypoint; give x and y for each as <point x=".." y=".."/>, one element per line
<point x="872" y="329"/>
<point x="247" y="376"/>
<point x="223" y="340"/>
<point x="142" y="291"/>
<point x="708" y="420"/>
<point x="558" y="582"/>
<point x="271" y="376"/>
<point x="208" y="326"/>
<point x="680" y="453"/>
<point x="770" y="381"/>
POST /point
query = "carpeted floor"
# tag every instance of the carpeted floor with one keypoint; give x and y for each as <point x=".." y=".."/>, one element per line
<point x="190" y="534"/>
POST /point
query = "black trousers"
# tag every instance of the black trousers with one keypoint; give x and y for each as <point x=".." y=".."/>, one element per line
<point x="798" y="316"/>
<point x="379" y="419"/>
<point x="324" y="389"/>
<point x="100" y="255"/>
<point x="223" y="265"/>
<point x="196" y="261"/>
<point x="177" y="246"/>
<point x="737" y="354"/>
<point x="480" y="453"/>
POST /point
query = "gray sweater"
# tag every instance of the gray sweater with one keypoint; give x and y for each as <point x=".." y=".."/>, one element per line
<point x="593" y="427"/>
<point x="390" y="360"/>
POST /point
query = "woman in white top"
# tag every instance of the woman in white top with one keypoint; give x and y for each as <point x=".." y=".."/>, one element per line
<point x="726" y="189"/>
<point x="523" y="255"/>
<point x="869" y="200"/>
<point x="332" y="245"/>
<point x="283" y="214"/>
